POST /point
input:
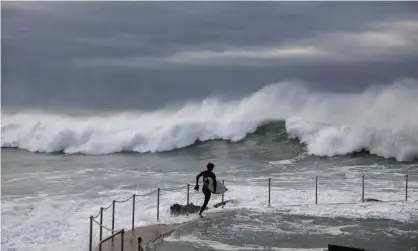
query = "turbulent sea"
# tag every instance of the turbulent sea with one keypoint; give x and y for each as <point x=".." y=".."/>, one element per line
<point x="60" y="166"/>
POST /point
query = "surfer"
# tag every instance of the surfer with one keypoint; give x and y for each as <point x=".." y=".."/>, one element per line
<point x="205" y="189"/>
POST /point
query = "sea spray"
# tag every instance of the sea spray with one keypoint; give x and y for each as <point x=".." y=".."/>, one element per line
<point x="328" y="140"/>
<point x="381" y="120"/>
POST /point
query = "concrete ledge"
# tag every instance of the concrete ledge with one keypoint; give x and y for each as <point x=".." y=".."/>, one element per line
<point x="152" y="234"/>
<point x="147" y="233"/>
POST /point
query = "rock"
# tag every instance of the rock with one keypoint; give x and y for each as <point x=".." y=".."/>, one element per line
<point x="371" y="200"/>
<point x="177" y="209"/>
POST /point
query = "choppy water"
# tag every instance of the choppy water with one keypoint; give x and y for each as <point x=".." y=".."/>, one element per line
<point x="274" y="230"/>
<point x="58" y="168"/>
<point x="47" y="198"/>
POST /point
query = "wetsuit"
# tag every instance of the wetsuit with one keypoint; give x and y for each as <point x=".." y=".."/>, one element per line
<point x="205" y="189"/>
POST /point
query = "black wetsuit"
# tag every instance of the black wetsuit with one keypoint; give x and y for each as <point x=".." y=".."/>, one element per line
<point x="205" y="188"/>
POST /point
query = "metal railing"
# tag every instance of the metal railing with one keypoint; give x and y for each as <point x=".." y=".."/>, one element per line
<point x="113" y="206"/>
<point x="363" y="190"/>
<point x="114" y="232"/>
<point x="122" y="239"/>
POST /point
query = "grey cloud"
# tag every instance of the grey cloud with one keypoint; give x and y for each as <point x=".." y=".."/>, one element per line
<point x="382" y="41"/>
<point x="137" y="54"/>
<point x="167" y="28"/>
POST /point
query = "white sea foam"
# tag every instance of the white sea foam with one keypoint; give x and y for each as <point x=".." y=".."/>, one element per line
<point x="287" y="161"/>
<point x="297" y="228"/>
<point x="51" y="222"/>
<point x="222" y="246"/>
<point x="380" y="120"/>
<point x="282" y="162"/>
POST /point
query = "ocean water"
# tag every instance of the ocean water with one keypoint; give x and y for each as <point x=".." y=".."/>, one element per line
<point x="60" y="166"/>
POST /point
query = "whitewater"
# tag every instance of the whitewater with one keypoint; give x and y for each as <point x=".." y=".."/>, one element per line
<point x="277" y="132"/>
<point x="382" y="120"/>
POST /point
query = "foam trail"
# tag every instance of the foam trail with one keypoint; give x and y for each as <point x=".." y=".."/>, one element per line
<point x="381" y="120"/>
<point x="222" y="246"/>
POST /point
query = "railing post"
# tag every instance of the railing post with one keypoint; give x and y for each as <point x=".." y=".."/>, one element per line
<point x="362" y="189"/>
<point x="158" y="204"/>
<point x="122" y="235"/>
<point x="140" y="244"/>
<point x="316" y="189"/>
<point x="269" y="191"/>
<point x="406" y="187"/>
<point x="91" y="234"/>
<point x="133" y="213"/>
<point x="188" y="189"/>
<point x="101" y="223"/>
<point x="113" y="217"/>
<point x="223" y="182"/>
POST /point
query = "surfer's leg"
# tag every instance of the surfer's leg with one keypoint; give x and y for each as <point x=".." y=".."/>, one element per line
<point x="207" y="194"/>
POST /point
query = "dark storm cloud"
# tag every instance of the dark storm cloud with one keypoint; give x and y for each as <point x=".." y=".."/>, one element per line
<point x="143" y="54"/>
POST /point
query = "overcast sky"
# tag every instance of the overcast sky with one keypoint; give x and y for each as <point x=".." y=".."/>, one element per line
<point x="145" y="54"/>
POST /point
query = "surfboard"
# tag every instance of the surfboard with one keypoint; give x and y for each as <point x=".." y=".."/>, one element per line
<point x="220" y="188"/>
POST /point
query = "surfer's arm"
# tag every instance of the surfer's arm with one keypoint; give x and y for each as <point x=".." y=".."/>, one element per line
<point x="198" y="177"/>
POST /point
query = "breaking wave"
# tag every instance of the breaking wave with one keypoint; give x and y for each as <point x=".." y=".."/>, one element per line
<point x="383" y="121"/>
